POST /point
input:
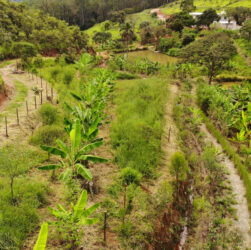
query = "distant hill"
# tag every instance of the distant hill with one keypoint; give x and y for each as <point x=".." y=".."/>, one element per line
<point x="202" y="5"/>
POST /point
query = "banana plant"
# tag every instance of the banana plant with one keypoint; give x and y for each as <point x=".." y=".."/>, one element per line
<point x="42" y="237"/>
<point x="73" y="155"/>
<point x="69" y="222"/>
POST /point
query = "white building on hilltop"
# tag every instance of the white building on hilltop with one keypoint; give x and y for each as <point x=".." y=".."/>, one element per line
<point x="224" y="21"/>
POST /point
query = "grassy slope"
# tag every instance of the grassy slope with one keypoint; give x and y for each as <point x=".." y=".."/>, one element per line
<point x="135" y="19"/>
<point x="205" y="4"/>
<point x="136" y="134"/>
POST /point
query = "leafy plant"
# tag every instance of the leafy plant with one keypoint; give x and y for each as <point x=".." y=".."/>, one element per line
<point x="42" y="237"/>
<point x="69" y="222"/>
<point x="73" y="156"/>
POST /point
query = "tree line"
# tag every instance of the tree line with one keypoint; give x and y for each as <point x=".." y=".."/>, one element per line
<point x="85" y="13"/>
<point x="19" y="23"/>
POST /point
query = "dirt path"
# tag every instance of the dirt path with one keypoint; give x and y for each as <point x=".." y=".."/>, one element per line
<point x="161" y="16"/>
<point x="18" y="100"/>
<point x="169" y="141"/>
<point x="247" y="59"/>
<point x="243" y="217"/>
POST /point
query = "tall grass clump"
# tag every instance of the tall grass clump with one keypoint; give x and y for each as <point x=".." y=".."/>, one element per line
<point x="136" y="134"/>
<point x="20" y="195"/>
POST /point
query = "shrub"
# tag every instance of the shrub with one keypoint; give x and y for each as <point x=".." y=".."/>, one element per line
<point x="47" y="135"/>
<point x="125" y="75"/>
<point x="101" y="37"/>
<point x="49" y="114"/>
<point x="188" y="39"/>
<point x="144" y="24"/>
<point x="68" y="76"/>
<point x="17" y="222"/>
<point x="129" y="176"/>
<point x="174" y="52"/>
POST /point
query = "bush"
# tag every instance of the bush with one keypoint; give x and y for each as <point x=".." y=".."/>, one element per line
<point x="49" y="114"/>
<point x="68" y="76"/>
<point x="188" y="39"/>
<point x="129" y="176"/>
<point x="174" y="52"/>
<point x="17" y="222"/>
<point x="144" y="24"/>
<point x="125" y="75"/>
<point x="167" y="43"/>
<point x="47" y="135"/>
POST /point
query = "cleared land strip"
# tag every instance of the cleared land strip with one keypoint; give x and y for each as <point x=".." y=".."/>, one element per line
<point x="21" y="85"/>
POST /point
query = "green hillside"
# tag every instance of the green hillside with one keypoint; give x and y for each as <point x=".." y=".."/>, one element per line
<point x="205" y="4"/>
<point x="136" y="19"/>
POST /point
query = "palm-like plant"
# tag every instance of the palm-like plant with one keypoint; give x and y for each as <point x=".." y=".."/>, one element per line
<point x="69" y="222"/>
<point x="73" y="155"/>
<point x="127" y="33"/>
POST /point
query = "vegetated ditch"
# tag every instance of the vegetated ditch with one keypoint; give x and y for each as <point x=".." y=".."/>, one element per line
<point x="241" y="206"/>
<point x="201" y="212"/>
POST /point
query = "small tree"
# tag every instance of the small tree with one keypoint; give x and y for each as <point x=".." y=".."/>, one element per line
<point x="187" y="5"/>
<point x="127" y="33"/>
<point x="117" y="16"/>
<point x="69" y="222"/>
<point x="101" y="37"/>
<point x="213" y="52"/>
<point x="246" y="30"/>
<point x="208" y="17"/>
<point x="23" y="50"/>
<point x="179" y="168"/>
<point x="240" y="14"/>
<point x="72" y="156"/>
<point x="13" y="163"/>
<point x="179" y="21"/>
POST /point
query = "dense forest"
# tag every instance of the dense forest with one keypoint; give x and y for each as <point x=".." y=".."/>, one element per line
<point x="86" y="13"/>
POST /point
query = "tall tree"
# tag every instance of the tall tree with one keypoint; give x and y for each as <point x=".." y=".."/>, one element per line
<point x="246" y="30"/>
<point x="213" y="52"/>
<point x="208" y="17"/>
<point x="240" y="14"/>
<point x="127" y="33"/>
<point x="187" y="5"/>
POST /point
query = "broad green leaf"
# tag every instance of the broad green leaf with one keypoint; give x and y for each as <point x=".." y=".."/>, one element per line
<point x="54" y="151"/>
<point x="66" y="175"/>
<point x="88" y="148"/>
<point x="80" y="206"/>
<point x="77" y="97"/>
<point x="84" y="172"/>
<point x="49" y="167"/>
<point x="92" y="158"/>
<point x="88" y="221"/>
<point x="93" y="127"/>
<point x="61" y="208"/>
<point x="75" y="135"/>
<point x="63" y="146"/>
<point x="90" y="210"/>
<point x="42" y="237"/>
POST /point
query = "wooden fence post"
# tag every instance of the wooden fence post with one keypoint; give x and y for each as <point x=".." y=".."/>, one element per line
<point x="41" y="93"/>
<point x="17" y="116"/>
<point x="35" y="99"/>
<point x="6" y="127"/>
<point x="105" y="218"/>
<point x="169" y="134"/>
<point x="46" y="90"/>
<point x="27" y="108"/>
<point x="51" y="93"/>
